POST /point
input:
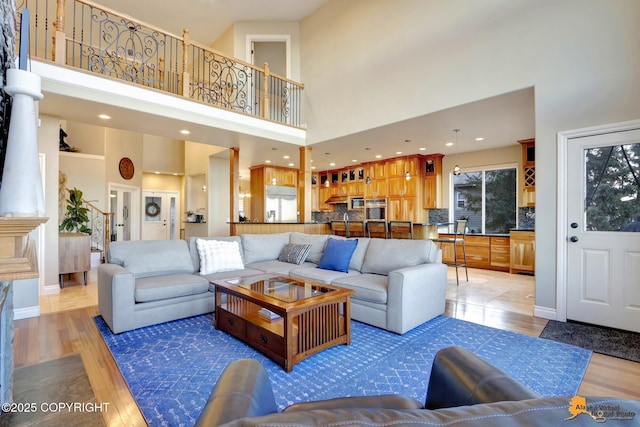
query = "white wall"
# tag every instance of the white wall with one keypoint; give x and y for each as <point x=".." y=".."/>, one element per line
<point x="377" y="62"/>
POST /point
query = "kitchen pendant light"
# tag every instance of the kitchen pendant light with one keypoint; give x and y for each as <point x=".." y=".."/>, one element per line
<point x="456" y="169"/>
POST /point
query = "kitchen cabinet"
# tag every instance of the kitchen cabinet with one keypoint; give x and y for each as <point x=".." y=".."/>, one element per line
<point x="402" y="209"/>
<point x="486" y="252"/>
<point x="355" y="189"/>
<point x="500" y="253"/>
<point x="432" y="181"/>
<point x="529" y="170"/>
<point x="523" y="251"/>
<point x="378" y="188"/>
<point x="260" y="177"/>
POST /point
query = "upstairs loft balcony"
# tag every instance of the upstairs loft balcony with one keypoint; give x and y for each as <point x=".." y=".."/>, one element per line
<point x="86" y="36"/>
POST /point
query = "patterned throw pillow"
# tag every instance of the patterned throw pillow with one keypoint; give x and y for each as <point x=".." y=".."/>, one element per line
<point x="217" y="255"/>
<point x="294" y="254"/>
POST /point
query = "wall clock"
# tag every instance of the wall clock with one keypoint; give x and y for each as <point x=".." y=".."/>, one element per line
<point x="126" y="168"/>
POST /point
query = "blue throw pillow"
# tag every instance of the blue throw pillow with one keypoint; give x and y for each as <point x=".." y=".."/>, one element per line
<point x="337" y="254"/>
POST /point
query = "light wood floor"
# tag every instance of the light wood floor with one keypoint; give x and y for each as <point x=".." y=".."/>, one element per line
<point x="500" y="300"/>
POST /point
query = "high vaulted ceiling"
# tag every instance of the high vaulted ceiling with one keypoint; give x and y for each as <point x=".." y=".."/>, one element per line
<point x="500" y="120"/>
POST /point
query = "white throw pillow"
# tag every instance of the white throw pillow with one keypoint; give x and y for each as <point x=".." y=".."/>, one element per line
<point x="217" y="255"/>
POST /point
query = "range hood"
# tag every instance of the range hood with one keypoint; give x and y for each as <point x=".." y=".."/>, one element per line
<point x="335" y="199"/>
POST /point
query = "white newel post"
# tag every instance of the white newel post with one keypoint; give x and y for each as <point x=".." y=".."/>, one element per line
<point x="21" y="192"/>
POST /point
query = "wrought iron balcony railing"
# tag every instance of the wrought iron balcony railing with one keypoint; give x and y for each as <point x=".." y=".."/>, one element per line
<point x="90" y="37"/>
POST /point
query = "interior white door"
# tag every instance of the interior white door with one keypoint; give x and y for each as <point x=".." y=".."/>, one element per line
<point x="160" y="216"/>
<point x="124" y="202"/>
<point x="603" y="260"/>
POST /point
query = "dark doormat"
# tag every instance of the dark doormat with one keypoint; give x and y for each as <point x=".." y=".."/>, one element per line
<point x="53" y="393"/>
<point x="609" y="341"/>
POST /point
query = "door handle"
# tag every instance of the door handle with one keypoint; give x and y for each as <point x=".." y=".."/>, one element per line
<point x="574" y="238"/>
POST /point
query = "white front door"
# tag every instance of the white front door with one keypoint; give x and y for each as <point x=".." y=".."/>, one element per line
<point x="603" y="200"/>
<point x="160" y="215"/>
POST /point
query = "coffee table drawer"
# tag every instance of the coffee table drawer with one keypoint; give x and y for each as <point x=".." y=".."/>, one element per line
<point x="231" y="323"/>
<point x="267" y="340"/>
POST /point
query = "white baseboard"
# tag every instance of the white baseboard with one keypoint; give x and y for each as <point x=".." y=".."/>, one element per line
<point x="25" y="313"/>
<point x="545" y="312"/>
<point x="51" y="289"/>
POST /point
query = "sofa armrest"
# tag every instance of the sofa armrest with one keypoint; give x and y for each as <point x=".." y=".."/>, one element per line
<point x="415" y="294"/>
<point x="116" y="296"/>
<point x="242" y="390"/>
<point x="387" y="401"/>
<point x="460" y="378"/>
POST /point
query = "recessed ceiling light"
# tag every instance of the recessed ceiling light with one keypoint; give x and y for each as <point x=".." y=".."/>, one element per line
<point x="354" y="161"/>
<point x="479" y="138"/>
<point x="407" y="140"/>
<point x="313" y="167"/>
<point x="290" y="164"/>
<point x="104" y="116"/>
<point x="332" y="164"/>
<point x="185" y="132"/>
<point x="421" y="149"/>
<point x="398" y="152"/>
<point x="285" y="157"/>
<point x="378" y="156"/>
<point x="157" y="172"/>
<point x="449" y="144"/>
<point x="267" y="161"/>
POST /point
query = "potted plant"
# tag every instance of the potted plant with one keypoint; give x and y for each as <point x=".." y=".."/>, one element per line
<point x="76" y="219"/>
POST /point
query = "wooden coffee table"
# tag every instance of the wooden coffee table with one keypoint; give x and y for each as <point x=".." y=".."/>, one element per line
<point x="310" y="316"/>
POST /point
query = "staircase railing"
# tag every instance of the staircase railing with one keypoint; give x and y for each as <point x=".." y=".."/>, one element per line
<point x="100" y="225"/>
<point x="90" y="37"/>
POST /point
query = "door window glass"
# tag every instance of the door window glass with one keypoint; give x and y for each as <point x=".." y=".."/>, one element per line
<point x="612" y="184"/>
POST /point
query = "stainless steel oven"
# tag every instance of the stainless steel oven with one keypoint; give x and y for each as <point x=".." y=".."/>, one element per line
<point x="357" y="203"/>
<point x="375" y="209"/>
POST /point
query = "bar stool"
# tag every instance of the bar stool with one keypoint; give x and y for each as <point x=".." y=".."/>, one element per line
<point x="356" y="228"/>
<point x="401" y="227"/>
<point x="340" y="228"/>
<point x="377" y="227"/>
<point x="458" y="239"/>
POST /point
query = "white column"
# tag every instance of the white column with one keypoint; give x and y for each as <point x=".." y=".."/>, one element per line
<point x="21" y="192"/>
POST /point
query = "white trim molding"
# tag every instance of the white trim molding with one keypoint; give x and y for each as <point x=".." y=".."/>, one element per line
<point x="25" y="313"/>
<point x="545" y="312"/>
<point x="562" y="217"/>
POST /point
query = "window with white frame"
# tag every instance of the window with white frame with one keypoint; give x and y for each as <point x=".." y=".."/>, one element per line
<point x="487" y="198"/>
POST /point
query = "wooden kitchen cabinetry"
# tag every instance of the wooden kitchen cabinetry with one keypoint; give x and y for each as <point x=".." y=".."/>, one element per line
<point x="529" y="170"/>
<point x="432" y="181"/>
<point x="523" y="252"/>
<point x="74" y="254"/>
<point x="263" y="175"/>
<point x="487" y="252"/>
<point x="500" y="253"/>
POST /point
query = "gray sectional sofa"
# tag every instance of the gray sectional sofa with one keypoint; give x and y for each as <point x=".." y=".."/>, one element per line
<point x="398" y="284"/>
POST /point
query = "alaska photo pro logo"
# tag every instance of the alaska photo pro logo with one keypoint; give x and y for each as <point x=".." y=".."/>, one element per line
<point x="600" y="412"/>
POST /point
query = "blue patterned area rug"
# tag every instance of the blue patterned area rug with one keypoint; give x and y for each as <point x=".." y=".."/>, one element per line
<point x="171" y="368"/>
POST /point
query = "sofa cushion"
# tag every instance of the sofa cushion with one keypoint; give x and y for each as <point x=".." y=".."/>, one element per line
<point x="358" y="255"/>
<point x="367" y="287"/>
<point x="263" y="247"/>
<point x="319" y="274"/>
<point x="145" y="258"/>
<point x="278" y="267"/>
<point x="216" y="256"/>
<point x="193" y="249"/>
<point x="385" y="255"/>
<point x="337" y="255"/>
<point x="169" y="286"/>
<point x="294" y="253"/>
<point x="317" y="242"/>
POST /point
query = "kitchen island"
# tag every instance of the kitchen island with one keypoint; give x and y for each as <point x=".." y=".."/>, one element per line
<point x="238" y="228"/>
